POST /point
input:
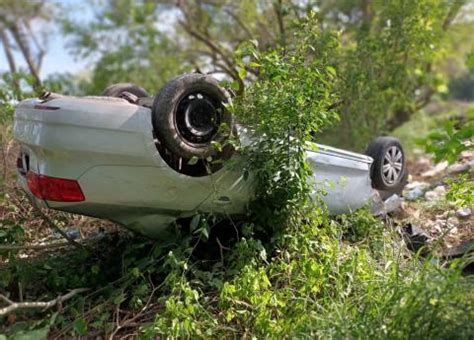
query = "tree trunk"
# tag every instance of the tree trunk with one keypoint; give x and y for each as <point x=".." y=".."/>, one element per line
<point x="9" y="55"/>
<point x="25" y="50"/>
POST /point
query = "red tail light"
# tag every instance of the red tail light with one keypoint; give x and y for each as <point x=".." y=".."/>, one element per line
<point x="54" y="189"/>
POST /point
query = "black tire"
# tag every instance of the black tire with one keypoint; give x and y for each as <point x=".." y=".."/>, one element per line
<point x="389" y="172"/>
<point x="116" y="90"/>
<point x="187" y="116"/>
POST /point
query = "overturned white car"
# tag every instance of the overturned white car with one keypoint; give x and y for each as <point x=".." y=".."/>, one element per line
<point x="141" y="161"/>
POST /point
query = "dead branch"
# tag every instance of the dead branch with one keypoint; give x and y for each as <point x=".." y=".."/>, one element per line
<point x="126" y="323"/>
<point x="34" y="246"/>
<point x="12" y="306"/>
<point x="54" y="227"/>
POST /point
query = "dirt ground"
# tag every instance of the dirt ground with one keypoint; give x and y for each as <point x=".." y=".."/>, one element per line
<point x="444" y="223"/>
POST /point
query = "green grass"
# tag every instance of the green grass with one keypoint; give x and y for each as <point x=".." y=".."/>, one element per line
<point x="350" y="278"/>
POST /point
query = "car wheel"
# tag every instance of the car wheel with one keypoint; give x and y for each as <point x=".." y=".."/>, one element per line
<point x="117" y="90"/>
<point x="389" y="172"/>
<point x="189" y="115"/>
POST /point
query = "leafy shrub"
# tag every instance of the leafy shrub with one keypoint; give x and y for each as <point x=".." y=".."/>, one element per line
<point x="384" y="70"/>
<point x="292" y="100"/>
<point x="451" y="138"/>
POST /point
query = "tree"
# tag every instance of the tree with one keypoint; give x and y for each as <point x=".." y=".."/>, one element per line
<point x="17" y="19"/>
<point x="385" y="66"/>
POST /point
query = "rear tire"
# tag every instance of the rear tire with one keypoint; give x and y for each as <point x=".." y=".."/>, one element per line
<point x="389" y="172"/>
<point x="116" y="90"/>
<point x="188" y="114"/>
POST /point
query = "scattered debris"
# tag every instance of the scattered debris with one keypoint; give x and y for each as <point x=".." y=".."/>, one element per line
<point x="452" y="222"/>
<point x="377" y="204"/>
<point x="416" y="184"/>
<point x="436" y="194"/>
<point x="414" y="193"/>
<point x="463" y="212"/>
<point x="415" y="237"/>
<point x="425" y="205"/>
<point x="436" y="170"/>
<point x="436" y="227"/>
<point x="415" y="190"/>
<point x="460" y="250"/>
<point x="392" y="203"/>
<point x="458" y="168"/>
<point x="467" y="154"/>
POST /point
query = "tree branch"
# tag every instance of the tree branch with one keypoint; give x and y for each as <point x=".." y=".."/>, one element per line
<point x="12" y="306"/>
<point x="8" y="50"/>
<point x="230" y="65"/>
<point x="277" y="7"/>
<point x="54" y="227"/>
<point x="10" y="58"/>
<point x="25" y="50"/>
<point x="39" y="48"/>
<point x="33" y="246"/>
<point x="239" y="22"/>
<point x="452" y="13"/>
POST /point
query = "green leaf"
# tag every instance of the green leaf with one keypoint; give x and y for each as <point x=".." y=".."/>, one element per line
<point x="193" y="160"/>
<point x="204" y="232"/>
<point x="242" y="72"/>
<point x="80" y="326"/>
<point x="331" y="70"/>
<point x="254" y="42"/>
<point x="135" y="272"/>
<point x="35" y="334"/>
<point x="470" y="60"/>
<point x="195" y="222"/>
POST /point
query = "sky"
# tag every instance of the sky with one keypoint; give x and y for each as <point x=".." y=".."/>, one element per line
<point x="57" y="58"/>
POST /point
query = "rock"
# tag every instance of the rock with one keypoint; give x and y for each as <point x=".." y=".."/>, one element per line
<point x="463" y="212"/>
<point x="467" y="154"/>
<point x="416" y="184"/>
<point x="438" y="168"/>
<point x="70" y="233"/>
<point x="460" y="250"/>
<point x="453" y="231"/>
<point x="414" y="193"/>
<point x="457" y="168"/>
<point x="415" y="237"/>
<point x="452" y="222"/>
<point x="376" y="204"/>
<point x="73" y="234"/>
<point x="437" y="227"/>
<point x="435" y="194"/>
<point x="392" y="203"/>
<point x="423" y="161"/>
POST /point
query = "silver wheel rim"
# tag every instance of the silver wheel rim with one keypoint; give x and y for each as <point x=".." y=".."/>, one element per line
<point x="392" y="165"/>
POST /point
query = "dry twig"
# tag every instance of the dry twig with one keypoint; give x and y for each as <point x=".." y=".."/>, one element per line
<point x="12" y="306"/>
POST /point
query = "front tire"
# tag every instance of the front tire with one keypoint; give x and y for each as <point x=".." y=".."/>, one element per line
<point x="389" y="172"/>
